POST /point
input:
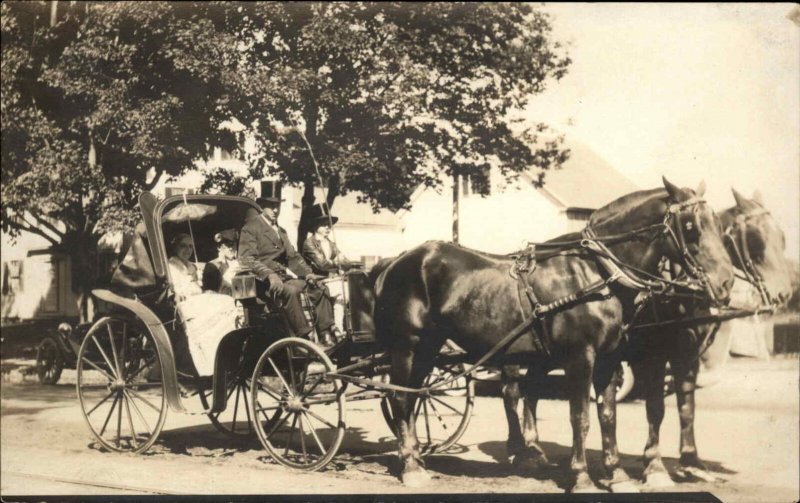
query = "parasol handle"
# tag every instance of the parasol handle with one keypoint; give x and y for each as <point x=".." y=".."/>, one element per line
<point x="189" y="221"/>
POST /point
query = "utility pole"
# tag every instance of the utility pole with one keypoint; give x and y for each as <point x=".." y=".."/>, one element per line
<point x="53" y="13"/>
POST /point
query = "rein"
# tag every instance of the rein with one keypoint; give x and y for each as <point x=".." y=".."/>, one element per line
<point x="751" y="274"/>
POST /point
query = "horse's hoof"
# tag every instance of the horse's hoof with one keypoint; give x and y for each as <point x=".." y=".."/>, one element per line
<point x="658" y="480"/>
<point x="587" y="488"/>
<point x="693" y="472"/>
<point x="584" y="484"/>
<point x="626" y="486"/>
<point x="415" y="478"/>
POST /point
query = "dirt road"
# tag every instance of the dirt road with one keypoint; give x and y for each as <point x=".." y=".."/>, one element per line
<point x="747" y="430"/>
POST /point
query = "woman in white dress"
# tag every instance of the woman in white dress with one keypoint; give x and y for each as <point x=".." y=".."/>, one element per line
<point x="207" y="315"/>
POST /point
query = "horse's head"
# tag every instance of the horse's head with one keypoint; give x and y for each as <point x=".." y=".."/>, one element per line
<point x="696" y="239"/>
<point x="757" y="245"/>
<point x="681" y="227"/>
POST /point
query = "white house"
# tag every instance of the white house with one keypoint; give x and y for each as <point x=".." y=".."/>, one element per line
<point x="36" y="282"/>
<point x="517" y="212"/>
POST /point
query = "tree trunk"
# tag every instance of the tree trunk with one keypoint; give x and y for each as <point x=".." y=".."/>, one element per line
<point x="83" y="253"/>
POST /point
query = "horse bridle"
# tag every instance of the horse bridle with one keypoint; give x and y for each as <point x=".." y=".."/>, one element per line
<point x="739" y="229"/>
<point x="673" y="227"/>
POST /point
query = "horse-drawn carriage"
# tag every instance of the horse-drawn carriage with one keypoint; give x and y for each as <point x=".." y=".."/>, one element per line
<point x="135" y="364"/>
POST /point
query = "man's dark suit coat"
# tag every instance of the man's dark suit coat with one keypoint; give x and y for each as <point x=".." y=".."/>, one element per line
<point x="265" y="249"/>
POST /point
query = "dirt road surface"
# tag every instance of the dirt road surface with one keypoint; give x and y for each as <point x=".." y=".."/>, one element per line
<point x="747" y="431"/>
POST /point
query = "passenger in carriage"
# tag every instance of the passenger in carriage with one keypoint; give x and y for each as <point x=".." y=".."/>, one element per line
<point x="265" y="249"/>
<point x="319" y="250"/>
<point x="185" y="281"/>
<point x="207" y="318"/>
<point x="226" y="263"/>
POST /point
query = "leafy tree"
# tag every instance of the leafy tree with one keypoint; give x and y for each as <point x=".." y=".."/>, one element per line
<point x="393" y="95"/>
<point x="99" y="101"/>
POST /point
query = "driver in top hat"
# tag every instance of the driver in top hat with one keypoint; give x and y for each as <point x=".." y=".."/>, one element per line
<point x="265" y="249"/>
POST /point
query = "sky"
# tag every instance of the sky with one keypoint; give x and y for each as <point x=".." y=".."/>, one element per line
<point x="689" y="91"/>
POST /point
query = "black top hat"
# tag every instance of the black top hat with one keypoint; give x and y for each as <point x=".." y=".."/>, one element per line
<point x="321" y="216"/>
<point x="270" y="194"/>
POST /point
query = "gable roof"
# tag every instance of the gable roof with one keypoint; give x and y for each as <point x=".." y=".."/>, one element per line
<point x="350" y="211"/>
<point x="586" y="180"/>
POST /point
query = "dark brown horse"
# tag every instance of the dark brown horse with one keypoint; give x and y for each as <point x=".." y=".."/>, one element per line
<point x="440" y="291"/>
<point x="756" y="245"/>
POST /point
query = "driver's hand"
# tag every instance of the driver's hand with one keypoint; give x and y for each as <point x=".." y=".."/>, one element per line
<point x="275" y="284"/>
<point x="312" y="279"/>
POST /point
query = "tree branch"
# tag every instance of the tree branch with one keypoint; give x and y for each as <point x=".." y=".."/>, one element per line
<point x="33" y="230"/>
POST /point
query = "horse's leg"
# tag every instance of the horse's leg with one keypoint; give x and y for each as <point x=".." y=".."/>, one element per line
<point x="685" y="374"/>
<point x="409" y="369"/>
<point x="606" y="378"/>
<point x="509" y="376"/>
<point x="532" y="457"/>
<point x="651" y="372"/>
<point x="578" y="372"/>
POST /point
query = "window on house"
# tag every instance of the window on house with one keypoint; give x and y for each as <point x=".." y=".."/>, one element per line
<point x="12" y="277"/>
<point x="221" y="154"/>
<point x="471" y="185"/>
<point x="176" y="191"/>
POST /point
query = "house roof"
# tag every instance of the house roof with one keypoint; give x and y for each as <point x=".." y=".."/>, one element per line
<point x="350" y="211"/>
<point x="586" y="180"/>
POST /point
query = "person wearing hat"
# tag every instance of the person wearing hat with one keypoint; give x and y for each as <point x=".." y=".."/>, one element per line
<point x="227" y="242"/>
<point x="265" y="249"/>
<point x="319" y="250"/>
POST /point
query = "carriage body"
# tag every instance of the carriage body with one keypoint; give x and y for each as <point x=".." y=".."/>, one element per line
<point x="135" y="364"/>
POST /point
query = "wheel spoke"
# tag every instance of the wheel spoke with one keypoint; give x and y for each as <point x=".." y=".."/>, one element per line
<point x="280" y="376"/>
<point x="110" y="412"/>
<point x="446" y="405"/>
<point x="291" y="434"/>
<point x="277" y="426"/>
<point x="101" y="402"/>
<point x="291" y="367"/>
<point x="141" y="369"/>
<point x="427" y="424"/>
<point x="91" y="363"/>
<point x="438" y="416"/>
<point x="105" y="356"/>
<point x="271" y="407"/>
<point x="145" y="400"/>
<point x="268" y="391"/>
<point x="119" y="421"/>
<point x="114" y="349"/>
<point x="303" y="440"/>
<point x="313" y="387"/>
<point x="139" y="413"/>
<point x="314" y="433"/>
<point x="246" y="408"/>
<point x="236" y="408"/>
<point x="130" y="421"/>
<point x="320" y="418"/>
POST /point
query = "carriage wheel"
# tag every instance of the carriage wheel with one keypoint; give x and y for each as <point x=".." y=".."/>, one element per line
<point x="123" y="404"/>
<point x="443" y="416"/>
<point x="49" y="361"/>
<point x="300" y="411"/>
<point x="234" y="421"/>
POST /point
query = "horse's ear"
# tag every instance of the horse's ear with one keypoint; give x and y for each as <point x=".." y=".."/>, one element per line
<point x="741" y="201"/>
<point x="701" y="189"/>
<point x="672" y="190"/>
<point x="757" y="197"/>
